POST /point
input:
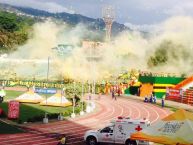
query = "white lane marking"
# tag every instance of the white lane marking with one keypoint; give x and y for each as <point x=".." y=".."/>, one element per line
<point x="137" y="110"/>
<point x="142" y="109"/>
<point x="71" y="128"/>
<point x="121" y="113"/>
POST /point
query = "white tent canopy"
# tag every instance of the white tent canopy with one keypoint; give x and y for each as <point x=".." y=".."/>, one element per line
<point x="30" y="97"/>
<point x="57" y="100"/>
<point x="177" y="128"/>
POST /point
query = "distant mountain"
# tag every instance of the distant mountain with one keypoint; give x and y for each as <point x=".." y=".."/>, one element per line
<point x="72" y="19"/>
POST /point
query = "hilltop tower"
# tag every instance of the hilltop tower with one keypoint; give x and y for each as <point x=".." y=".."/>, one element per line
<point x="108" y="15"/>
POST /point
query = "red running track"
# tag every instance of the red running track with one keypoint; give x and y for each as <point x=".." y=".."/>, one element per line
<point x="74" y="129"/>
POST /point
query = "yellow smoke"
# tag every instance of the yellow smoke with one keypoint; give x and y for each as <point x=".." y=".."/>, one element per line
<point x="128" y="50"/>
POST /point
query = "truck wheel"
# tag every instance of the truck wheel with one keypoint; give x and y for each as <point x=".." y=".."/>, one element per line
<point x="131" y="142"/>
<point x="91" y="141"/>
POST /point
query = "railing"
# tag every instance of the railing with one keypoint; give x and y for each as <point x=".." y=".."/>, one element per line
<point x="186" y="97"/>
<point x="173" y="94"/>
<point x="188" y="94"/>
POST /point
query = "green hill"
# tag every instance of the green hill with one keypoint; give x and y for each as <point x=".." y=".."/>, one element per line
<point x="13" y="30"/>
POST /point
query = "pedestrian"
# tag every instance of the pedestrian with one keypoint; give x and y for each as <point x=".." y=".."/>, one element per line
<point x="163" y="99"/>
<point x="113" y="94"/>
<point x="155" y="99"/>
<point x="146" y="99"/>
<point x="151" y="98"/>
<point x="119" y="91"/>
<point x="162" y="102"/>
<point x="115" y="97"/>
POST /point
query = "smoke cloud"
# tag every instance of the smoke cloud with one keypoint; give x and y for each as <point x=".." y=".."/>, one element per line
<point x="175" y="37"/>
<point x="169" y="49"/>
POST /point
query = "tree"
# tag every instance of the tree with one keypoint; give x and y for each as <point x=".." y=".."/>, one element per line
<point x="13" y="31"/>
<point x="167" y="51"/>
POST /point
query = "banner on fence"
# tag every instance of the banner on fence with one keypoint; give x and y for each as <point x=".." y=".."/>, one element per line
<point x="42" y="84"/>
<point x="45" y="91"/>
<point x="173" y="93"/>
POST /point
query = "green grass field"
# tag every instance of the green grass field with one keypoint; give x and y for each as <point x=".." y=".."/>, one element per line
<point x="33" y="112"/>
<point x="12" y="95"/>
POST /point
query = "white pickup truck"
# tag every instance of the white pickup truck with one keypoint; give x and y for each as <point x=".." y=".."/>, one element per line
<point x="118" y="132"/>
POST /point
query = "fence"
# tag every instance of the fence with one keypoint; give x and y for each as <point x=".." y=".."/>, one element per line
<point x="178" y="95"/>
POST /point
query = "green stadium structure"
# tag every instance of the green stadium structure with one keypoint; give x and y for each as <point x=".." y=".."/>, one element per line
<point x="160" y="83"/>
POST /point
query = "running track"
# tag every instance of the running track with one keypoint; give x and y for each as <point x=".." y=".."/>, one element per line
<point x="74" y="129"/>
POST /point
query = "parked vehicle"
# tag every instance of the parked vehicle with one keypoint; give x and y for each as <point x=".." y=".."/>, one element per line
<point x="117" y="132"/>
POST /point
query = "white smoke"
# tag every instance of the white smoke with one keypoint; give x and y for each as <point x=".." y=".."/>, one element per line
<point x="129" y="50"/>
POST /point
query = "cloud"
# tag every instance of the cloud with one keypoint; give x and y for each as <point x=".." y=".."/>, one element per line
<point x="38" y="4"/>
<point x="181" y="9"/>
<point x="172" y="7"/>
<point x="143" y="27"/>
<point x="148" y="5"/>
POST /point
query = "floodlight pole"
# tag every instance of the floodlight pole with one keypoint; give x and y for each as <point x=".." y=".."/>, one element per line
<point x="90" y="81"/>
<point x="108" y="15"/>
<point x="3" y="85"/>
<point x="82" y="111"/>
<point x="82" y="94"/>
<point x="47" y="75"/>
<point x="89" y="90"/>
<point x="62" y="94"/>
<point x="74" y="98"/>
<point x="94" y="79"/>
<point x="73" y="103"/>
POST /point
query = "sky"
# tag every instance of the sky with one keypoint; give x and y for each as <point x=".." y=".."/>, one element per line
<point x="131" y="12"/>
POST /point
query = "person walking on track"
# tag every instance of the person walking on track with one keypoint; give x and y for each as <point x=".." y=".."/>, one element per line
<point x="113" y="94"/>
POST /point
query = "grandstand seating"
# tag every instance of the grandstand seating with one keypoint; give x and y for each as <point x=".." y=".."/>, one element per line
<point x="188" y="96"/>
